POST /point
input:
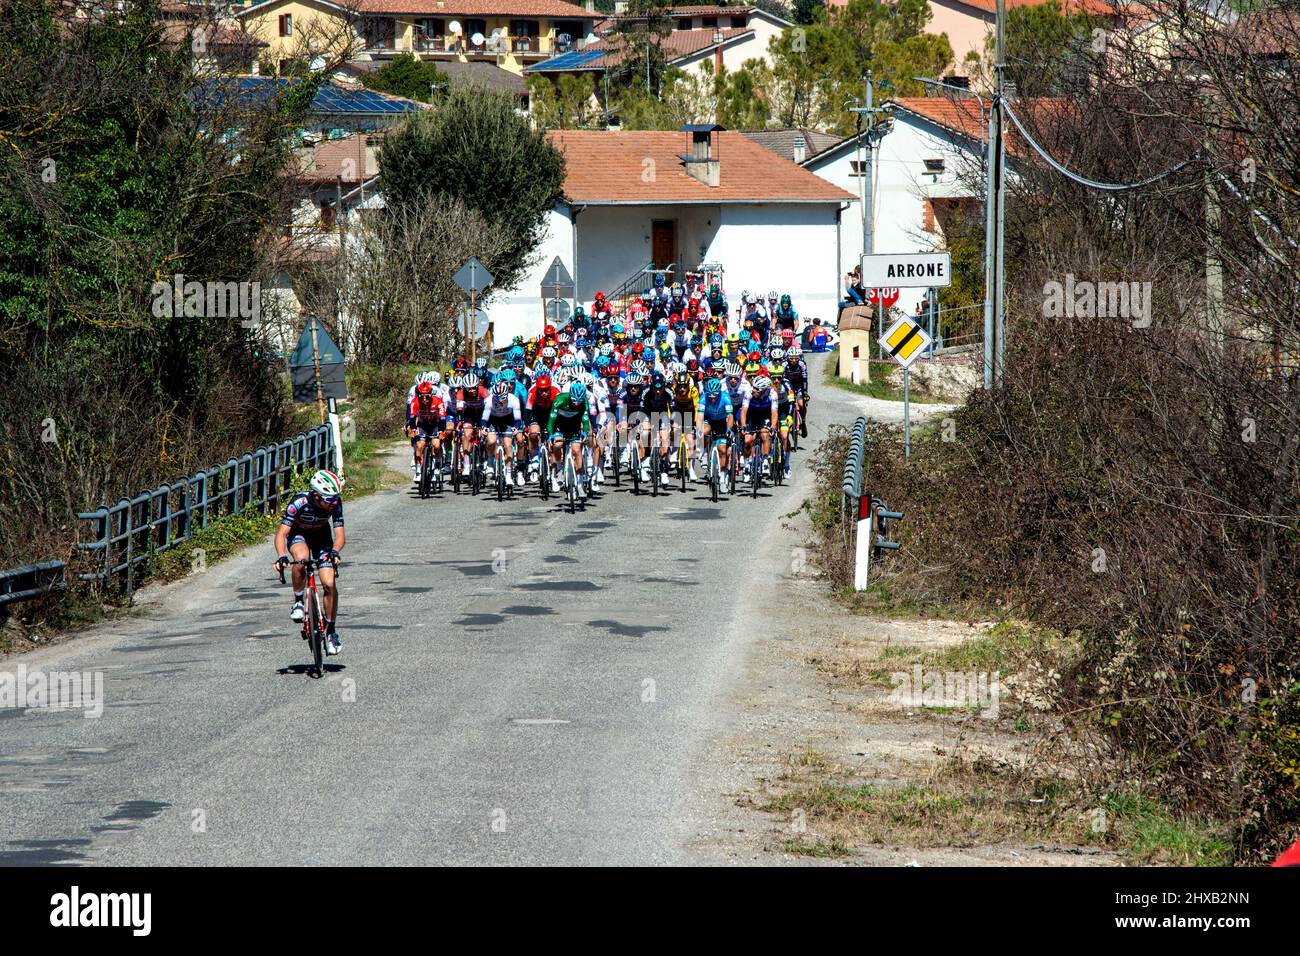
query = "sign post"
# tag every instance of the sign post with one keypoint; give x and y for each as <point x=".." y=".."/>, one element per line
<point x="905" y="341"/>
<point x="316" y="367"/>
<point x="473" y="277"/>
<point x="558" y="284"/>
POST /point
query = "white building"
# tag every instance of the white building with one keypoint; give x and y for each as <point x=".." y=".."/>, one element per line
<point x="926" y="170"/>
<point x="680" y="199"/>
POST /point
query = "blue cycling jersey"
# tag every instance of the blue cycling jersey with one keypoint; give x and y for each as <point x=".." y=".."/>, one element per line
<point x="717" y="407"/>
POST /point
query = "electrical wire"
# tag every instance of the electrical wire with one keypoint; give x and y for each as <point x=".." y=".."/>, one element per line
<point x="1090" y="183"/>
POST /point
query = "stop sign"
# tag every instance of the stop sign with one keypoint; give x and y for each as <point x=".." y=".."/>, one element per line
<point x="890" y="296"/>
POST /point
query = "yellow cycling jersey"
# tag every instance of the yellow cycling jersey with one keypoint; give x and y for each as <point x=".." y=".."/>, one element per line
<point x="685" y="399"/>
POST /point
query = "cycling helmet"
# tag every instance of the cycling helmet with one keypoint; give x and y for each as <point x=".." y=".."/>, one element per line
<point x="793" y="352"/>
<point x="683" y="377"/>
<point x="424" y="390"/>
<point x="577" y="393"/>
<point x="543" y="381"/>
<point x="733" y="336"/>
<point x="659" y="280"/>
<point x="762" y="383"/>
<point x="327" y="484"/>
<point x="776" y="354"/>
<point x="785" y="301"/>
<point x="501" y="389"/>
<point x="461" y="364"/>
<point x="634" y="378"/>
<point x="733" y="369"/>
<point x="508" y="375"/>
<point x="713" y="388"/>
<point x="568" y="359"/>
<point x="777" y="370"/>
<point x="481" y="362"/>
<point x="638" y="348"/>
<point x="607" y="349"/>
<point x="657" y="380"/>
<point x="435" y="379"/>
<point x="692" y="365"/>
<point x="600" y="297"/>
<point x="548" y="352"/>
<point x="470" y="380"/>
<point x="771" y="296"/>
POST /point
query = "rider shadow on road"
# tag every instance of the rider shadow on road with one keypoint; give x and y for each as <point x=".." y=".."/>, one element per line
<point x="309" y="668"/>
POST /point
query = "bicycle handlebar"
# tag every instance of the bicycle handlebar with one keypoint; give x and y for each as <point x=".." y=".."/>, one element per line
<point x="308" y="562"/>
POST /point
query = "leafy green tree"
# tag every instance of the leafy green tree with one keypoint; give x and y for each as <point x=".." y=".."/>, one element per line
<point x="404" y="75"/>
<point x="565" y="103"/>
<point x="477" y="147"/>
<point x="805" y="11"/>
<point x="1046" y="50"/>
<point x="120" y="170"/>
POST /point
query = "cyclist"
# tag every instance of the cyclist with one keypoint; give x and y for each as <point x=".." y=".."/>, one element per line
<point x="685" y="399"/>
<point x="541" y="397"/>
<point x="716" y="412"/>
<point x="570" y="427"/>
<point x="785" y="402"/>
<point x="426" y="423"/>
<point x="629" y="406"/>
<point x="785" y="316"/>
<point x="471" y="399"/>
<point x="502" y="417"/>
<point x="796" y="373"/>
<point x="657" y="404"/>
<point x="758" y="416"/>
<point x="312" y="526"/>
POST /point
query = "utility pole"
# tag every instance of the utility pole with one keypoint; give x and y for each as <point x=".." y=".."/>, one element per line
<point x="868" y="111"/>
<point x="994" y="226"/>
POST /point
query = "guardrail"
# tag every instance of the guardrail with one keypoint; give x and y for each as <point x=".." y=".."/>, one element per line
<point x="871" y="527"/>
<point x="135" y="529"/>
<point x="29" y="581"/>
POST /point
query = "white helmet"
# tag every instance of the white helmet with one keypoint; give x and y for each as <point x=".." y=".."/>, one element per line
<point x="326" y="484"/>
<point x="435" y="378"/>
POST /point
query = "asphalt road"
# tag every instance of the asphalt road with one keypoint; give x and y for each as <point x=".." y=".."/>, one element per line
<point x="517" y="686"/>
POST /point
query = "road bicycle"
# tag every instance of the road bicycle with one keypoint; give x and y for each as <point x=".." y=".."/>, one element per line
<point x="571" y="475"/>
<point x="777" y="458"/>
<point x="544" y="470"/>
<point x="715" y="467"/>
<point x="683" y="458"/>
<point x="634" y="462"/>
<point x="656" y="466"/>
<point x="313" y="623"/>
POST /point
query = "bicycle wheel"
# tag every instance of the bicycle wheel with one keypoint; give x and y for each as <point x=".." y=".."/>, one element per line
<point x="544" y="473"/>
<point x="682" y="462"/>
<point x="613" y="458"/>
<point x="316" y="634"/>
<point x="455" y="464"/>
<point x="475" y="469"/>
<point x="571" y="481"/>
<point x="425" y="471"/>
<point x="756" y="465"/>
<point x="635" y="461"/>
<point x="656" y="476"/>
<point x="501" y="472"/>
<point x="715" y="473"/>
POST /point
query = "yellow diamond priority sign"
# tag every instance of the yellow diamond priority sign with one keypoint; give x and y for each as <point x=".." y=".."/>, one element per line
<point x="905" y="340"/>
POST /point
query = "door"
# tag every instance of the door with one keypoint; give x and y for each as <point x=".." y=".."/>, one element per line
<point x="663" y="242"/>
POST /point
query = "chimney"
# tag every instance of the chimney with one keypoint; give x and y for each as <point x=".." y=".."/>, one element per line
<point x="591" y="6"/>
<point x="800" y="150"/>
<point x="702" y="162"/>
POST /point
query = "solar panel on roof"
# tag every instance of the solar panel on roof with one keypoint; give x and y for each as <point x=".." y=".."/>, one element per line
<point x="573" y="60"/>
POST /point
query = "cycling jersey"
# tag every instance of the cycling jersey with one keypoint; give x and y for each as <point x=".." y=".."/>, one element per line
<point x="502" y="411"/>
<point x="428" y="418"/>
<point x="568" y="419"/>
<point x="716" y="408"/>
<point x="685" y="399"/>
<point x="304" y="514"/>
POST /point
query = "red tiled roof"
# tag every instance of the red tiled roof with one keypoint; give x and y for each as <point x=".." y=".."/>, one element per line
<point x="675" y="45"/>
<point x="962" y="116"/>
<point x="333" y="159"/>
<point x="611" y="167"/>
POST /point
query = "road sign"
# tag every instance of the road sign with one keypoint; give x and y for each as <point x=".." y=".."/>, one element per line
<point x="557" y="283"/>
<point x="905" y="341"/>
<point x="480" y="323"/>
<point x="473" y="277"/>
<point x="316" y="348"/>
<point x="558" y="312"/>
<point x="890" y="296"/>
<point x="911" y="270"/>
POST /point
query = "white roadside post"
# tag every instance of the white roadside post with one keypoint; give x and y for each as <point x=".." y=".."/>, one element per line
<point x="857" y="367"/>
<point x="336" y="436"/>
<point x="866" y="537"/>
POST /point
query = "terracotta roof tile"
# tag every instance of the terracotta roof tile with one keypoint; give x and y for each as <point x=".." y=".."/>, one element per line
<point x="962" y="116"/>
<point x="612" y="167"/>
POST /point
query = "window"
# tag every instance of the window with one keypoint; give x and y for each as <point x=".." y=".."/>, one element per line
<point x="856" y="166"/>
<point x="934" y="167"/>
<point x="572" y="27"/>
<point x="472" y="27"/>
<point x="708" y="23"/>
<point x="328" y="215"/>
<point x="286" y="24"/>
<point x="429" y="33"/>
<point x="379" y="33"/>
<point x="738" y="23"/>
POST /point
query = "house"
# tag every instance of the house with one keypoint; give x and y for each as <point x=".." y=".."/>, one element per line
<point x="477" y="72"/>
<point x="795" y="143"/>
<point x="925" y="172"/>
<point x="679" y="199"/>
<point x="969" y="23"/>
<point x="508" y="33"/>
<point x="217" y="46"/>
<point x="687" y="36"/>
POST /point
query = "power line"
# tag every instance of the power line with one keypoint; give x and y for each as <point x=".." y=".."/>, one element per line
<point x="1091" y="183"/>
